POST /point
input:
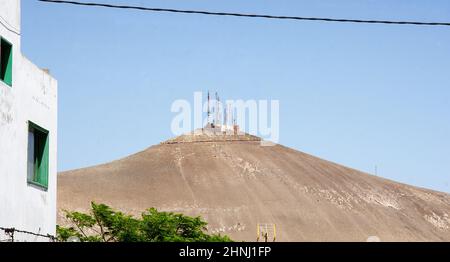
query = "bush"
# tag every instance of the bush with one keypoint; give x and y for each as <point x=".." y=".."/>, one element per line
<point x="103" y="224"/>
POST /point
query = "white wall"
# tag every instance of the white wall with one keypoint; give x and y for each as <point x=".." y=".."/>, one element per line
<point x="32" y="97"/>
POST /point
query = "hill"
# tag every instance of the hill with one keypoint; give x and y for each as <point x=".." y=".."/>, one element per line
<point x="235" y="183"/>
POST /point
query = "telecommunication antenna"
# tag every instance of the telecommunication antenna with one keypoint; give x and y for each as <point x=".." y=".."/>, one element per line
<point x="225" y="121"/>
<point x="217" y="109"/>
<point x="209" y="111"/>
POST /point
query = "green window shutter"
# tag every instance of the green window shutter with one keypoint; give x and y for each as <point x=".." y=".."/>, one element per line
<point x="6" y="61"/>
<point x="9" y="68"/>
<point x="43" y="165"/>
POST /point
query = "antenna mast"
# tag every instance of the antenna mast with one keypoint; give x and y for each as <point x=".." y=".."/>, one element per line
<point x="225" y="110"/>
<point x="217" y="110"/>
<point x="209" y="111"/>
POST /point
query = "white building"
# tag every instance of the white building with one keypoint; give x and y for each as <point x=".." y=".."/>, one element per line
<point x="28" y="136"/>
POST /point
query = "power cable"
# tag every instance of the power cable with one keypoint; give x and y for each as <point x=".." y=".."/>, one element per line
<point x="141" y="8"/>
<point x="8" y="26"/>
<point x="11" y="232"/>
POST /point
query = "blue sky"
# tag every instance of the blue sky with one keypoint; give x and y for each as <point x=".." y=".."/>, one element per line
<point x="356" y="94"/>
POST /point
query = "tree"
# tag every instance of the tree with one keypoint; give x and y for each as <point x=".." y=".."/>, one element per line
<point x="103" y="224"/>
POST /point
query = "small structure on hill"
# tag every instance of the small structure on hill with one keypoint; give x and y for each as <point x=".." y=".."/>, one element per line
<point x="221" y="119"/>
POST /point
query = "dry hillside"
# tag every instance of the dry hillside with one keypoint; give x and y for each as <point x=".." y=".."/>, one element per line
<point x="235" y="183"/>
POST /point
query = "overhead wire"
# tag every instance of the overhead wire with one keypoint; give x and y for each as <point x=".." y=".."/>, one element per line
<point x="339" y="20"/>
<point x="8" y="27"/>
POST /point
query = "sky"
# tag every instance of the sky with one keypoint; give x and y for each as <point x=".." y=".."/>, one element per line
<point x="360" y="95"/>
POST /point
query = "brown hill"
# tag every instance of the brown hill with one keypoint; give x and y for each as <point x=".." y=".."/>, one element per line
<point x="235" y="183"/>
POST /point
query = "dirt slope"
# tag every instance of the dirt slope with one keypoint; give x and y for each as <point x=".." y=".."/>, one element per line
<point x="236" y="184"/>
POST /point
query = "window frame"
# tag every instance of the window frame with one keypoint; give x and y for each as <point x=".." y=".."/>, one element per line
<point x="9" y="63"/>
<point x="41" y="165"/>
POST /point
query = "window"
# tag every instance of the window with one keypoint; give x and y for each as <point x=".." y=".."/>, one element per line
<point x="6" y="62"/>
<point x="37" y="155"/>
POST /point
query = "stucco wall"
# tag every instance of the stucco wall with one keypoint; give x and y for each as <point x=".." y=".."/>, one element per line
<point x="32" y="97"/>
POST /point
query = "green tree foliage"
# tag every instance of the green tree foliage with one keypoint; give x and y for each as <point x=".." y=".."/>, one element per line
<point x="103" y="224"/>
